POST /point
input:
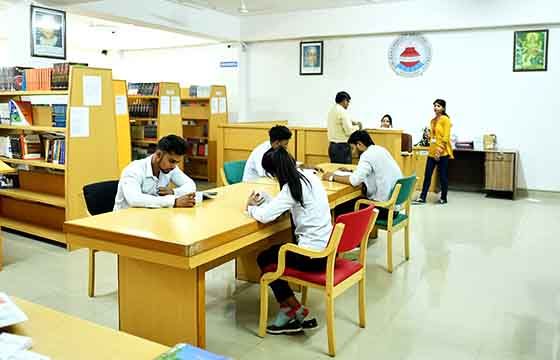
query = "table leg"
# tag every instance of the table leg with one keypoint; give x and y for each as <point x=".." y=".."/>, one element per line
<point x="161" y="303"/>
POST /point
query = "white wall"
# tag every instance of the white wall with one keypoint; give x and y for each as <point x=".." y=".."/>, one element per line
<point x="188" y="66"/>
<point x="401" y="16"/>
<point x="472" y="70"/>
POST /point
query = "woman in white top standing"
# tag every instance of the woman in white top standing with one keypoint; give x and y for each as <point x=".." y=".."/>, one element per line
<point x="304" y="196"/>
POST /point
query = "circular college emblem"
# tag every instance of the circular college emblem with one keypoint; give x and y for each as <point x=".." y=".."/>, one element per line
<point x="410" y="55"/>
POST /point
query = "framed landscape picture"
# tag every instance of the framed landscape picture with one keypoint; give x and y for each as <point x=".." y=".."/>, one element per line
<point x="530" y="50"/>
<point x="48" y="33"/>
<point x="311" y="58"/>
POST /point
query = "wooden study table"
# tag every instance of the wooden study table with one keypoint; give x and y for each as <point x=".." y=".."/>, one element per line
<point x="163" y="255"/>
<point x="64" y="337"/>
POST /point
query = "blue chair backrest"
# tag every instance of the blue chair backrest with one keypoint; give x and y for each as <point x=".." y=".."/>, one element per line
<point x="234" y="171"/>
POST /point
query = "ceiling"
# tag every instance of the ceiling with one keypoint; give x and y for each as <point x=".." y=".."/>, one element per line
<point x="260" y="7"/>
<point x="103" y="34"/>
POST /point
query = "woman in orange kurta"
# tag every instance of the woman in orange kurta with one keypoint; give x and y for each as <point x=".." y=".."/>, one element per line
<point x="440" y="152"/>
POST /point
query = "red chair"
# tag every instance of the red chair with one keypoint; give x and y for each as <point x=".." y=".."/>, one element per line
<point x="350" y="231"/>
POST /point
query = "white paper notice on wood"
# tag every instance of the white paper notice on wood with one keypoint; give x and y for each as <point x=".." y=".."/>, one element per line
<point x="223" y="105"/>
<point x="214" y="105"/>
<point x="121" y="105"/>
<point x="92" y="90"/>
<point x="164" y="104"/>
<point x="176" y="105"/>
<point x="79" y="121"/>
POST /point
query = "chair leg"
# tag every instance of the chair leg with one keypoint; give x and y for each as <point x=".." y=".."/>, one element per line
<point x="389" y="251"/>
<point x="264" y="309"/>
<point x="407" y="242"/>
<point x="330" y="324"/>
<point x="362" y="301"/>
<point x="304" y="295"/>
<point x="91" y="277"/>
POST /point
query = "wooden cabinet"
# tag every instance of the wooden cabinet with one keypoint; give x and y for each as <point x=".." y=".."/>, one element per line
<point x="500" y="171"/>
<point x="420" y="154"/>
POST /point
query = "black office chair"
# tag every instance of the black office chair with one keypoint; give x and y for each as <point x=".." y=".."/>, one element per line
<point x="100" y="198"/>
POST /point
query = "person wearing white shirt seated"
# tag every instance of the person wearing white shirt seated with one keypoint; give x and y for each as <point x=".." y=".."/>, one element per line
<point x="145" y="183"/>
<point x="301" y="193"/>
<point x="279" y="135"/>
<point x="376" y="169"/>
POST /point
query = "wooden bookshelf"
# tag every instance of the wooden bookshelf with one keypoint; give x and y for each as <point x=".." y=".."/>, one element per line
<point x="144" y="142"/>
<point x="166" y="121"/>
<point x="35" y="163"/>
<point x="34" y="93"/>
<point x="34" y="128"/>
<point x="50" y="194"/>
<point x="201" y="117"/>
<point x="33" y="196"/>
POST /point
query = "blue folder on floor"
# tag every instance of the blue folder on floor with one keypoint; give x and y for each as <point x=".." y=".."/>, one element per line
<point x="186" y="351"/>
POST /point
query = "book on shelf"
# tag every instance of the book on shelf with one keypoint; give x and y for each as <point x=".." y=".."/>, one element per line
<point x="11" y="78"/>
<point x="5" y="147"/>
<point x="61" y="75"/>
<point x="5" y="113"/>
<point x="30" y="146"/>
<point x="147" y="89"/>
<point x="54" y="148"/>
<point x="199" y="91"/>
<point x="21" y="113"/>
<point x="143" y="109"/>
<point x="59" y="115"/>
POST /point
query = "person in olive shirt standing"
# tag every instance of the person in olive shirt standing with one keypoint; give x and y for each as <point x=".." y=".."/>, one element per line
<point x="339" y="128"/>
<point x="439" y="153"/>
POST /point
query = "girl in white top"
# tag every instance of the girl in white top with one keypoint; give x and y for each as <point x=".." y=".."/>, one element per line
<point x="305" y="197"/>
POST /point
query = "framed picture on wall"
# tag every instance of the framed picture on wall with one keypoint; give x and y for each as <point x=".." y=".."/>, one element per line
<point x="530" y="50"/>
<point x="48" y="33"/>
<point x="311" y="58"/>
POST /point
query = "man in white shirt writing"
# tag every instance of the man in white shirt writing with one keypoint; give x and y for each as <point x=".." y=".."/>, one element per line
<point x="145" y="183"/>
<point x="278" y="135"/>
<point x="377" y="170"/>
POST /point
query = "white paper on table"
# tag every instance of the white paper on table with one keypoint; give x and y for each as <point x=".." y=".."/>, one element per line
<point x="342" y="173"/>
<point x="176" y="105"/>
<point x="223" y="105"/>
<point x="79" y="121"/>
<point x="164" y="104"/>
<point x="92" y="90"/>
<point x="121" y="106"/>
<point x="10" y="314"/>
<point x="214" y="105"/>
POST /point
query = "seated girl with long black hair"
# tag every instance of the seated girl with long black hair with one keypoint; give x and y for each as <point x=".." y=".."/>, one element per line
<point x="305" y="197"/>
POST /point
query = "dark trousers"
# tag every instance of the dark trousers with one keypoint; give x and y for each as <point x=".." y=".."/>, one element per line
<point x="281" y="288"/>
<point x="340" y="153"/>
<point x="443" y="167"/>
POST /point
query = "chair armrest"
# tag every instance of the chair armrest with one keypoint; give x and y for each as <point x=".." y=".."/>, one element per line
<point x="382" y="204"/>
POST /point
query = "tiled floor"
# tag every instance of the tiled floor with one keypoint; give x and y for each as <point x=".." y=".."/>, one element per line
<point x="483" y="284"/>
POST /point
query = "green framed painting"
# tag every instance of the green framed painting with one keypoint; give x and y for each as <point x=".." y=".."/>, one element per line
<point x="530" y="50"/>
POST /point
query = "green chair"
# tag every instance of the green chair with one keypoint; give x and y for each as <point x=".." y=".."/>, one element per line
<point x="232" y="172"/>
<point x="401" y="196"/>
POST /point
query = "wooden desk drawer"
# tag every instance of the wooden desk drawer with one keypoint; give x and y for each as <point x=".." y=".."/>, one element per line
<point x="497" y="156"/>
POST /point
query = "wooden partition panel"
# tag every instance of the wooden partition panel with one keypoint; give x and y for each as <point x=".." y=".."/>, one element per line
<point x="42" y="182"/>
<point x="169" y="123"/>
<point x="94" y="157"/>
<point x="313" y="145"/>
<point x="237" y="141"/>
<point x="123" y="127"/>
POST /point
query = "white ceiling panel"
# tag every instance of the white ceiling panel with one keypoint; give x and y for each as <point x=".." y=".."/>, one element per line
<point x="260" y="7"/>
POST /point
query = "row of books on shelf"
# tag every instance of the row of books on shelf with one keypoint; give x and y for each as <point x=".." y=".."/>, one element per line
<point x="149" y="89"/>
<point x="48" y="147"/>
<point x="22" y="113"/>
<point x="143" y="109"/>
<point x="142" y="152"/>
<point x="18" y="78"/>
<point x="143" y="132"/>
<point x="197" y="149"/>
<point x="199" y="91"/>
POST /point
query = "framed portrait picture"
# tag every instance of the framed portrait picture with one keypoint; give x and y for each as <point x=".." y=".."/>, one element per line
<point x="311" y="58"/>
<point x="530" y="50"/>
<point x="48" y="33"/>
